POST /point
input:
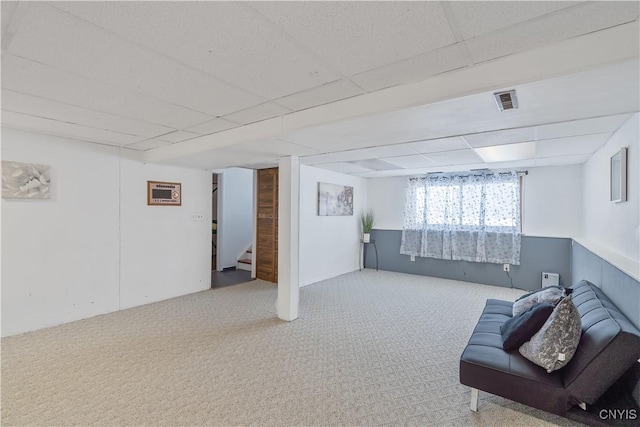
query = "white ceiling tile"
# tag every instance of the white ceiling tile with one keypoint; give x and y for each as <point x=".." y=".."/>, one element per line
<point x="587" y="18"/>
<point x="514" y="164"/>
<point x="508" y="136"/>
<point x="476" y="18"/>
<point x="27" y="104"/>
<point x="100" y="56"/>
<point x="275" y="148"/>
<point x="221" y="158"/>
<point x="562" y="160"/>
<point x="359" y="36"/>
<point x="149" y="144"/>
<point x="343" y="167"/>
<point x="442" y="144"/>
<point x="407" y="162"/>
<point x="582" y="127"/>
<point x="320" y="95"/>
<point x="177" y="136"/>
<point x="224" y="39"/>
<point x="573" y="145"/>
<point x="361" y="154"/>
<point x="259" y="112"/>
<point x="36" y="79"/>
<point x="213" y="126"/>
<point x="458" y="157"/>
<point x="55" y="127"/>
<point x="6" y="13"/>
<point x="413" y="69"/>
<point x="508" y="152"/>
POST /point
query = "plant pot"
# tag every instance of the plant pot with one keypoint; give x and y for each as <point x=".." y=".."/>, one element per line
<point x="366" y="237"/>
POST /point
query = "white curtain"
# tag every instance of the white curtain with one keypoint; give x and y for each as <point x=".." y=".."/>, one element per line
<point x="474" y="217"/>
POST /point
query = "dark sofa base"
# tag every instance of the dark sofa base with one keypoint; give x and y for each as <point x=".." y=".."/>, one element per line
<point x="609" y="346"/>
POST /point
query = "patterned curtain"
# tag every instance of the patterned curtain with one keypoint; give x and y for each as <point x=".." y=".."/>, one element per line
<point x="473" y="217"/>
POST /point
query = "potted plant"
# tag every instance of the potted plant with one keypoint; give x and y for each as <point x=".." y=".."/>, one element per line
<point x="368" y="221"/>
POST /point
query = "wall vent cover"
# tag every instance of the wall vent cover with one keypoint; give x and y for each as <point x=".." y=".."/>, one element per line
<point x="506" y="100"/>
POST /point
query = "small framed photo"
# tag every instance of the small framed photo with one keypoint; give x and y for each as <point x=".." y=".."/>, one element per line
<point x="619" y="176"/>
<point x="164" y="193"/>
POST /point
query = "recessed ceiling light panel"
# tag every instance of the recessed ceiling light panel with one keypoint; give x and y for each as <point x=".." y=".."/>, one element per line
<point x="506" y="100"/>
<point x="508" y="152"/>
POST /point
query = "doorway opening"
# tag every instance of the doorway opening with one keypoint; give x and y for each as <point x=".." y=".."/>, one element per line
<point x="232" y="227"/>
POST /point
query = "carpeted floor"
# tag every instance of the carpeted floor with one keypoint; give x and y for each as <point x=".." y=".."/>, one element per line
<point x="369" y="348"/>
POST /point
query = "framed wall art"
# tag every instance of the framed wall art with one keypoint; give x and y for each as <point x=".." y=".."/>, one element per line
<point x="334" y="200"/>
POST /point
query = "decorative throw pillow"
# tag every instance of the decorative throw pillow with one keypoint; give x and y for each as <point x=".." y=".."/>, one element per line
<point x="540" y="290"/>
<point x="517" y="330"/>
<point x="553" y="346"/>
<point x="551" y="295"/>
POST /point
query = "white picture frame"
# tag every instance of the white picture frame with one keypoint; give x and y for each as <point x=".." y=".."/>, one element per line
<point x="618" y="176"/>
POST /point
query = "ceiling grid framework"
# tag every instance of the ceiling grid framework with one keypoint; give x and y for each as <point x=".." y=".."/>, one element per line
<point x="149" y="75"/>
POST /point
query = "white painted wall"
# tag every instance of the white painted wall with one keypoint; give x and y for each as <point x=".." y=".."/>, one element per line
<point x="95" y="247"/>
<point x="235" y="215"/>
<point x="612" y="230"/>
<point x="552" y="204"/>
<point x="329" y="245"/>
<point x="552" y="201"/>
<point x="163" y="253"/>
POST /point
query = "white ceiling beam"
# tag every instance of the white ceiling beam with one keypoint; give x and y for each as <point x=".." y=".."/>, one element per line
<point x="593" y="50"/>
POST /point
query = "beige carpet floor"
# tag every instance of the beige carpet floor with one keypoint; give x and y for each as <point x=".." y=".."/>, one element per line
<point x="369" y="348"/>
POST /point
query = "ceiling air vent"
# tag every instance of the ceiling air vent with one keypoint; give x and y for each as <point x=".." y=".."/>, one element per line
<point x="506" y="100"/>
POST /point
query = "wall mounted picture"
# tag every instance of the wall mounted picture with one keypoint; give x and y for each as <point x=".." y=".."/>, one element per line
<point x="334" y="200"/>
<point x="619" y="176"/>
<point x="25" y="180"/>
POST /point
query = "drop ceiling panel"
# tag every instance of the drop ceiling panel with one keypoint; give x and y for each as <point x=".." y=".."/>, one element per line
<point x="476" y="18"/>
<point x="358" y="36"/>
<point x="509" y="136"/>
<point x="343" y="167"/>
<point x="225" y="39"/>
<point x="101" y="56"/>
<point x="582" y="127"/>
<point x="6" y="13"/>
<point x="55" y="127"/>
<point x="408" y="162"/>
<point x="27" y="104"/>
<point x="573" y="145"/>
<point x="324" y="94"/>
<point x="275" y="148"/>
<point x="458" y="157"/>
<point x="221" y="158"/>
<point x="149" y="144"/>
<point x="361" y="154"/>
<point x="32" y="78"/>
<point x="442" y="144"/>
<point x="562" y="160"/>
<point x="259" y="112"/>
<point x="413" y="69"/>
<point x="177" y="136"/>
<point x="565" y="24"/>
<point x="508" y="152"/>
<point x="213" y="126"/>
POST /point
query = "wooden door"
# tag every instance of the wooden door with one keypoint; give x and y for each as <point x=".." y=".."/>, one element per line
<point x="266" y="253"/>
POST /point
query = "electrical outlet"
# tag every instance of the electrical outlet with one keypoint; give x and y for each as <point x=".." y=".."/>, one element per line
<point x="413" y="257"/>
<point x="505" y="267"/>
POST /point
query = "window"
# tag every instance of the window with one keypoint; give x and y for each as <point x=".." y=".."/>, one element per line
<point x="472" y="217"/>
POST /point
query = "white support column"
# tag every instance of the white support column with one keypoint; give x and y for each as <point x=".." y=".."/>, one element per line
<point x="474" y="400"/>
<point x="288" y="237"/>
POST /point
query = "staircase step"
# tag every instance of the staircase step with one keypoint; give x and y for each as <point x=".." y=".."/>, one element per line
<point x="249" y="251"/>
<point x="245" y="261"/>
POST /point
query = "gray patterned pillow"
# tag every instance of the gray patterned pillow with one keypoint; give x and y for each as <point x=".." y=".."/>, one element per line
<point x="551" y="295"/>
<point x="553" y="346"/>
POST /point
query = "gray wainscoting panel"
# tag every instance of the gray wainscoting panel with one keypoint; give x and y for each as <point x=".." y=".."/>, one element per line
<point x="537" y="255"/>
<point x="621" y="288"/>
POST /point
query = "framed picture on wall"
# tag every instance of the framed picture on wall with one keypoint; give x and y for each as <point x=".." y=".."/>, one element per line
<point x="618" y="177"/>
<point x="334" y="200"/>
